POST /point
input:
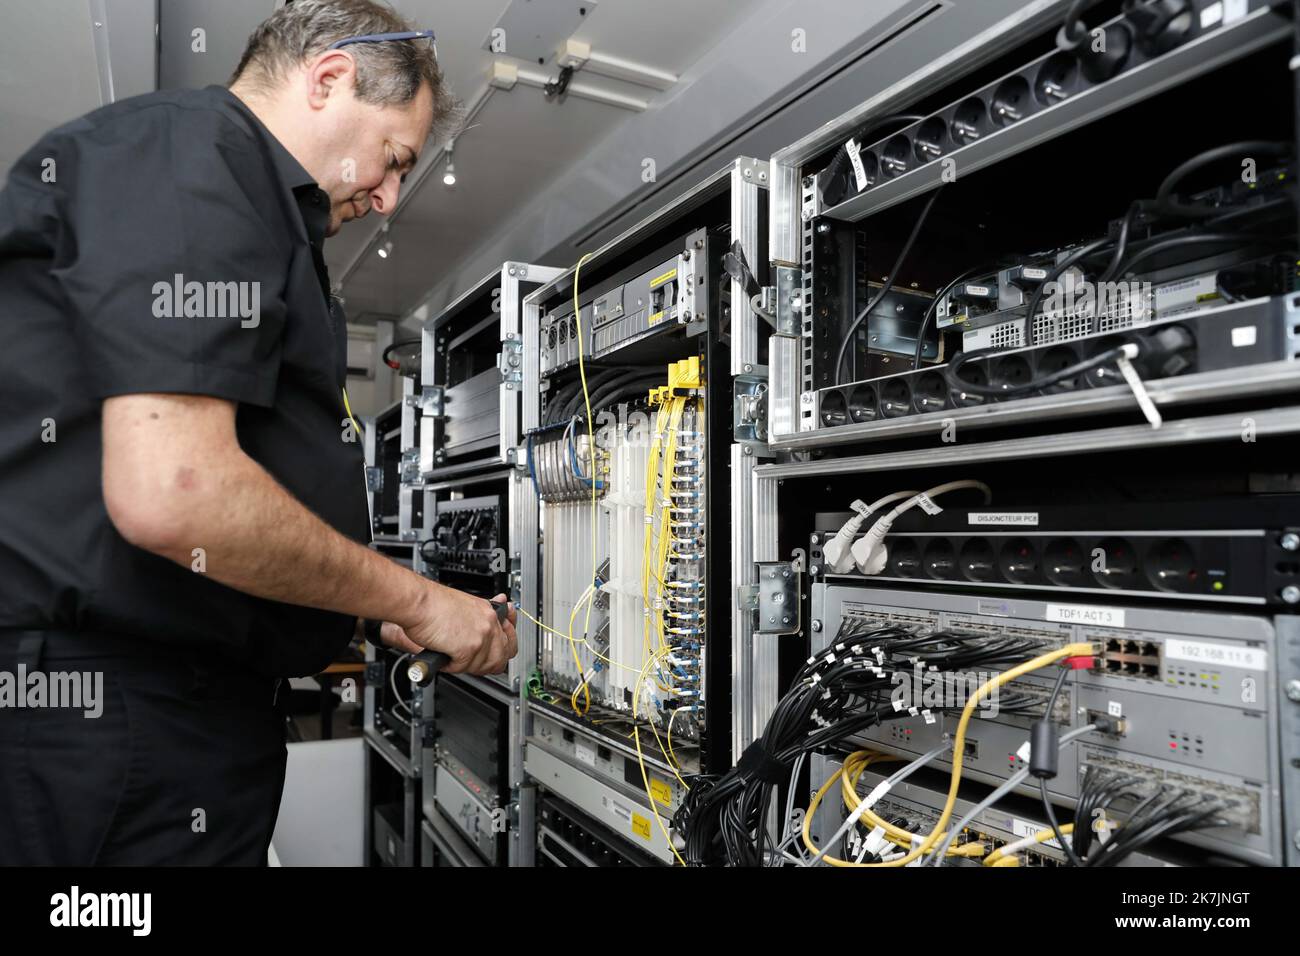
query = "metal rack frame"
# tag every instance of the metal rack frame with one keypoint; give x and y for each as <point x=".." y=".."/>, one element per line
<point x="745" y="179"/>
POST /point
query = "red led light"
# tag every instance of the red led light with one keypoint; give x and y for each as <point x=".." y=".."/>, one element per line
<point x="1172" y="745"/>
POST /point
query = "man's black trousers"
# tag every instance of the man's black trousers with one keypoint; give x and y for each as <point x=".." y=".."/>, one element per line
<point x="184" y="765"/>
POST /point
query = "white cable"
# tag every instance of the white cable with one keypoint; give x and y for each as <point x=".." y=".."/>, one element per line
<point x="838" y="550"/>
<point x="869" y="552"/>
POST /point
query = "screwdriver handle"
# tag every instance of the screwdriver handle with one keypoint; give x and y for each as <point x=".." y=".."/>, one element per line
<point x="425" y="665"/>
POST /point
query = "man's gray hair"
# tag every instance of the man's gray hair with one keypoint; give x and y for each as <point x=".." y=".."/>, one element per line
<point x="388" y="74"/>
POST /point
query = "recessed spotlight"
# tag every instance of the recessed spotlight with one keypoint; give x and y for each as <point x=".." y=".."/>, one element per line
<point x="386" y="249"/>
<point x="449" y="174"/>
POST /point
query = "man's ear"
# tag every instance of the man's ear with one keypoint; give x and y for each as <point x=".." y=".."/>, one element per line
<point x="330" y="73"/>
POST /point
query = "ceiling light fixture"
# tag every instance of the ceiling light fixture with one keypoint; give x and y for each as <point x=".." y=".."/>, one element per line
<point x="386" y="247"/>
<point x="449" y="174"/>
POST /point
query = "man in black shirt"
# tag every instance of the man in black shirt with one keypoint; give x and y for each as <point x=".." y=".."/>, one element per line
<point x="182" y="512"/>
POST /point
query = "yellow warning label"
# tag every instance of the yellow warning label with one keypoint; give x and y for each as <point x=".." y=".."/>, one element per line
<point x="661" y="792"/>
<point x="656" y="317"/>
<point x="660" y="280"/>
<point x="641" y="826"/>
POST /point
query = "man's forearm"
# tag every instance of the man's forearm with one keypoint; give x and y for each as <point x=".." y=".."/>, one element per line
<point x="259" y="539"/>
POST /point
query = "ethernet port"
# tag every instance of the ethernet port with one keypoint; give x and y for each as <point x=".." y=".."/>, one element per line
<point x="1132" y="647"/>
<point x="1114" y="647"/>
<point x="1114" y="666"/>
<point x="1150" y="649"/>
<point x="1132" y="668"/>
<point x="1151" y="670"/>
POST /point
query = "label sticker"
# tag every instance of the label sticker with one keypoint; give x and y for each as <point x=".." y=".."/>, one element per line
<point x="1234" y="9"/>
<point x="661" y="792"/>
<point x="978" y="290"/>
<point x="855" y="157"/>
<point x="1211" y="15"/>
<point x="584" y="754"/>
<point x="928" y="506"/>
<point x="1023" y="829"/>
<point x="1216" y="655"/>
<point x="660" y="280"/>
<point x="1243" y="335"/>
<point x="656" y="318"/>
<point x="1003" y="517"/>
<point x="641" y="826"/>
<point x="1088" y="614"/>
<point x="861" y="507"/>
<point x="1114" y="708"/>
<point x="1031" y="273"/>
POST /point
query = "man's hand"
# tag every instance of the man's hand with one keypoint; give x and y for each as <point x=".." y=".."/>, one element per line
<point x="464" y="628"/>
<point x="260" y="540"/>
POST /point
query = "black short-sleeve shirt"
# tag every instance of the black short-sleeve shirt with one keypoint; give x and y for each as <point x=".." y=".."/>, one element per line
<point x="166" y="243"/>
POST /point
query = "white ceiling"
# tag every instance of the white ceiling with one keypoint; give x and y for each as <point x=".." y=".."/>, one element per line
<point x="518" y="143"/>
<point x="49" y="69"/>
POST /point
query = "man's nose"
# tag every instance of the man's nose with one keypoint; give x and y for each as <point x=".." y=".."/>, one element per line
<point x="383" y="198"/>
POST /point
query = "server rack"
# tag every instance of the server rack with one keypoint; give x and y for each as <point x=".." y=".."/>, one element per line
<point x="466" y="412"/>
<point x="708" y="314"/>
<point x="823" y="450"/>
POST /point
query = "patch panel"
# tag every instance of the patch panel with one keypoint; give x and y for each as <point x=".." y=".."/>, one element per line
<point x="915" y="804"/>
<point x="1215" y="736"/>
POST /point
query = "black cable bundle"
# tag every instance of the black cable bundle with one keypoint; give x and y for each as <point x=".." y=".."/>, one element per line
<point x="840" y="692"/>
